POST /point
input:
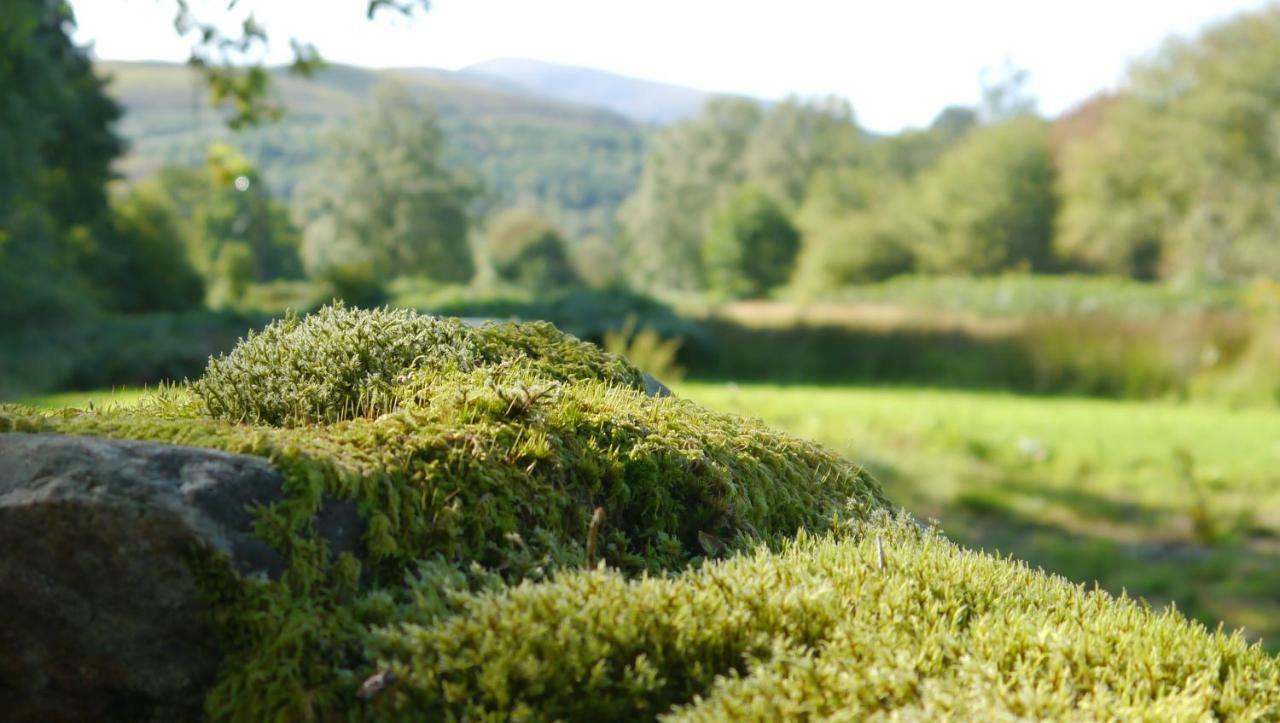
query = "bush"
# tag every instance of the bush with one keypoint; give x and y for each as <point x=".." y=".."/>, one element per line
<point x="139" y="262"/>
<point x="752" y="246"/>
<point x="525" y="249"/>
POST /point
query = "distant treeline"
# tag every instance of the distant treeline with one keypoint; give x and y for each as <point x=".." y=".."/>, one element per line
<point x="1173" y="177"/>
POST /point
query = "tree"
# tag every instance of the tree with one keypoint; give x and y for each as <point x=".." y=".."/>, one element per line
<point x="221" y="54"/>
<point x="56" y="149"/>
<point x="989" y="204"/>
<point x="524" y="248"/>
<point x="386" y="202"/>
<point x="1005" y="94"/>
<point x="752" y="245"/>
<point x="1182" y="175"/>
<point x="143" y="263"/>
<point x="696" y="165"/>
<point x="795" y="140"/>
<point x="692" y="168"/>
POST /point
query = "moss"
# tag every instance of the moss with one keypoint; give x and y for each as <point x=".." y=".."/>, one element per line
<point x="488" y="451"/>
<point x="342" y="363"/>
<point x="821" y="629"/>
<point x="486" y="462"/>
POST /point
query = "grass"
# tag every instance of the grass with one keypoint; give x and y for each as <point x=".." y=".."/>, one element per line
<point x="1174" y="502"/>
<point x="1025" y="294"/>
<point x="82" y="400"/>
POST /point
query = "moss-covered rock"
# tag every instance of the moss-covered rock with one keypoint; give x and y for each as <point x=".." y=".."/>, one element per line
<point x="504" y="452"/>
<point x="542" y="540"/>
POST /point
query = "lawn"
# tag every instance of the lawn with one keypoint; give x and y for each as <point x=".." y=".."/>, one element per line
<point x="1174" y="502"/>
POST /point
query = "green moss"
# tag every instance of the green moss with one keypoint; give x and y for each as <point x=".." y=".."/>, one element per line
<point x="821" y="629"/>
<point x="489" y="463"/>
<point x="342" y="363"/>
<point x="487" y="451"/>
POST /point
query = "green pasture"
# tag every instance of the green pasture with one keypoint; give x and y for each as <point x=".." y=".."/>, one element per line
<point x="1174" y="502"/>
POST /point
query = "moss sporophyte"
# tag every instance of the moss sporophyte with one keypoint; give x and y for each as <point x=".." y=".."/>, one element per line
<point x="542" y="541"/>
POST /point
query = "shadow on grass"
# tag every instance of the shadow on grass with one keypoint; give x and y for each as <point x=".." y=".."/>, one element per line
<point x="1235" y="580"/>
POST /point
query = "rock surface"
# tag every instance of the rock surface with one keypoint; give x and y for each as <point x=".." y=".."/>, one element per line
<point x="100" y="617"/>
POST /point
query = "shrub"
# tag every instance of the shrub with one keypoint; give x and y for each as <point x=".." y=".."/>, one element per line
<point x="752" y="246"/>
<point x="525" y="249"/>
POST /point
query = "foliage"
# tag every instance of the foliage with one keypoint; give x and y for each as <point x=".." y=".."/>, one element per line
<point x="56" y="149"/>
<point x="1015" y="295"/>
<point x="690" y="170"/>
<point x="646" y="349"/>
<point x="141" y="263"/>
<point x="220" y="56"/>
<point x="525" y="249"/>
<point x="108" y="350"/>
<point x="585" y="313"/>
<point x="232" y="272"/>
<point x="751" y="247"/>
<point x="989" y="205"/>
<point x="576" y="163"/>
<point x="1177" y="180"/>
<point x="387" y="200"/>
<point x="847" y="248"/>
<point x="695" y="166"/>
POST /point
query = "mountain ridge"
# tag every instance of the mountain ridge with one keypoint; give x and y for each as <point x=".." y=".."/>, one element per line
<point x="647" y="101"/>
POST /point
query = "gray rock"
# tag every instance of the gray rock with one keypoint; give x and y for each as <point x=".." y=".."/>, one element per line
<point x="655" y="388"/>
<point x="100" y="617"/>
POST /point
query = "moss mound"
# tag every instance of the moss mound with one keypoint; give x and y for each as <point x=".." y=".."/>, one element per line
<point x="882" y="619"/>
<point x="542" y="542"/>
<point x="499" y="453"/>
<point x="342" y="363"/>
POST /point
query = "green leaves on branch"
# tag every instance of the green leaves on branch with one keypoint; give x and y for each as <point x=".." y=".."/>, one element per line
<point x="231" y="61"/>
<point x="385" y="203"/>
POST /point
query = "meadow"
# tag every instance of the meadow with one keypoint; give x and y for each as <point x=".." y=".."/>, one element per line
<point x="1172" y="502"/>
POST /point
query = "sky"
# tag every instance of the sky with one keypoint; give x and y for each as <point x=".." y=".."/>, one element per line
<point x="897" y="61"/>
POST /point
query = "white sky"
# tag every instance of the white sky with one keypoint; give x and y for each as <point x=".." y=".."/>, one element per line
<point x="898" y="61"/>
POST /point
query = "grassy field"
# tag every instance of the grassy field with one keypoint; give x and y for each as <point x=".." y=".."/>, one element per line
<point x="1173" y="502"/>
<point x="1176" y="503"/>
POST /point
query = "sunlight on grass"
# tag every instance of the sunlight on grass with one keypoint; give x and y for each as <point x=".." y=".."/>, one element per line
<point x="1175" y="502"/>
<point x="80" y="400"/>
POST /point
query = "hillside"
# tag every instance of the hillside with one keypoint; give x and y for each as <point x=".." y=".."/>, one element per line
<point x="645" y="101"/>
<point x="578" y="162"/>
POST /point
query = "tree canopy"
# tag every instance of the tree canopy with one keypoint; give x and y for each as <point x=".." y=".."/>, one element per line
<point x="385" y="200"/>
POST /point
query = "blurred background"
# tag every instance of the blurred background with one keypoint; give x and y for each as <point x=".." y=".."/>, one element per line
<point x="1020" y="259"/>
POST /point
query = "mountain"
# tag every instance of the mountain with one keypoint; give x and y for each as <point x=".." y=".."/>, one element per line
<point x="645" y="101"/>
<point x="577" y="162"/>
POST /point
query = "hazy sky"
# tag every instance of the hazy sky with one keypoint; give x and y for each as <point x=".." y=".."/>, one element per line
<point x="898" y="61"/>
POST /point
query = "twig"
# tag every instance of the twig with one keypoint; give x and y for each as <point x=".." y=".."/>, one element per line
<point x="597" y="519"/>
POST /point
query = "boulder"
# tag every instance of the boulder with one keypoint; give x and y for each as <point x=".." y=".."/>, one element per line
<point x="101" y="616"/>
